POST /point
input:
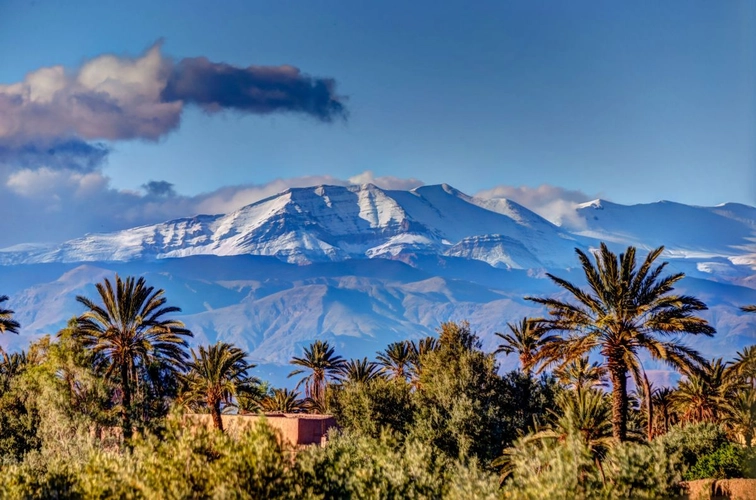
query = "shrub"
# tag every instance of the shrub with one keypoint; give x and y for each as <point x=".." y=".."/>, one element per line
<point x="551" y="468"/>
<point x="725" y="462"/>
<point x="693" y="441"/>
<point x="636" y="470"/>
<point x="374" y="407"/>
<point x="358" y="466"/>
<point x="545" y="469"/>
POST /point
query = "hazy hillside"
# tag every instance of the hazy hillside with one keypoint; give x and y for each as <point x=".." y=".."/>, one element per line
<point x="364" y="267"/>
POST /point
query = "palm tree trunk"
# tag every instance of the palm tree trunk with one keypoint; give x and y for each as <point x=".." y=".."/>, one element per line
<point x="618" y="374"/>
<point x="214" y="405"/>
<point x="649" y="408"/>
<point x="126" y="402"/>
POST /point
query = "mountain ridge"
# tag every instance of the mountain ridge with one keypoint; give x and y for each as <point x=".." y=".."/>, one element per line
<point x="362" y="267"/>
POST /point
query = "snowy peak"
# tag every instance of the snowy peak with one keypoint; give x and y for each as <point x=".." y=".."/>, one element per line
<point x="727" y="231"/>
<point x="332" y="223"/>
<point x="335" y="223"/>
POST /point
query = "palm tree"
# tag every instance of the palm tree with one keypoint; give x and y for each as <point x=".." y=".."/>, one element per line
<point x="282" y="400"/>
<point x="581" y="374"/>
<point x="11" y="365"/>
<point x="701" y="397"/>
<point x="396" y="360"/>
<point x="216" y="375"/>
<point x="358" y="371"/>
<point x="419" y="350"/>
<point x="624" y="310"/>
<point x="744" y="365"/>
<point x="321" y="361"/>
<point x="526" y="339"/>
<point x="583" y="414"/>
<point x="128" y="332"/>
<point x="663" y="401"/>
<point x="7" y="323"/>
<point x="740" y="414"/>
<point x="644" y="394"/>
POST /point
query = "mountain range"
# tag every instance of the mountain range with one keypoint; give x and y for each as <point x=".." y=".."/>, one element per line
<point x="362" y="266"/>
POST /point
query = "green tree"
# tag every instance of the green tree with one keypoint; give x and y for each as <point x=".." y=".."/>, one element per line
<point x="370" y="409"/>
<point x="323" y="364"/>
<point x="625" y="310"/>
<point x="216" y="375"/>
<point x="7" y="323"/>
<point x="525" y="339"/>
<point x="460" y="398"/>
<point x="127" y="332"/>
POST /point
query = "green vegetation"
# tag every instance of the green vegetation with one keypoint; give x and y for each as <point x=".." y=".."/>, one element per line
<point x="96" y="411"/>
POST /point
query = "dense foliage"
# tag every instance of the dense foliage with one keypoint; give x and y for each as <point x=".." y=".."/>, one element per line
<point x="96" y="410"/>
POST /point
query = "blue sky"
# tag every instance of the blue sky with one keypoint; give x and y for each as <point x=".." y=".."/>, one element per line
<point x="635" y="102"/>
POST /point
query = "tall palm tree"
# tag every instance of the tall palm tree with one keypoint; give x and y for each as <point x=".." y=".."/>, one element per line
<point x="396" y="360"/>
<point x="7" y="323"/>
<point x="623" y="311"/>
<point x="359" y="371"/>
<point x="216" y="375"/>
<point x="525" y="338"/>
<point x="129" y="332"/>
<point x="322" y="363"/>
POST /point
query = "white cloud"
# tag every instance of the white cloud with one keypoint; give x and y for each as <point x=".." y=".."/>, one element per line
<point x="553" y="203"/>
<point x="385" y="182"/>
<point x="53" y="205"/>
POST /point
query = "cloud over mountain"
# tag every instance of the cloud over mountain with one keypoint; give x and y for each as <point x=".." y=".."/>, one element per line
<point x="52" y="205"/>
<point x="553" y="203"/>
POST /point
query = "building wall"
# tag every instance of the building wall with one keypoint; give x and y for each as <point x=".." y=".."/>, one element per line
<point x="296" y="429"/>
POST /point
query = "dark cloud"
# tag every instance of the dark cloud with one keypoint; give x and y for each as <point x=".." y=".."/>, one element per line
<point x="72" y="154"/>
<point x="159" y="188"/>
<point x="255" y="89"/>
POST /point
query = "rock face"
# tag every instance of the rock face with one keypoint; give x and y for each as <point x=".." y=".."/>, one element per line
<point x="362" y="267"/>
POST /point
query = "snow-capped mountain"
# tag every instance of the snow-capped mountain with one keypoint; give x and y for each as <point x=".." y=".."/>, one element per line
<point x="363" y="266"/>
<point x="335" y="223"/>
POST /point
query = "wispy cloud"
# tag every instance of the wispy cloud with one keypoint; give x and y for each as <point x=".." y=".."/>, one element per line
<point x="553" y="203"/>
<point x="53" y="205"/>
